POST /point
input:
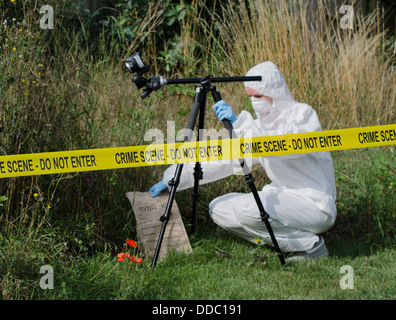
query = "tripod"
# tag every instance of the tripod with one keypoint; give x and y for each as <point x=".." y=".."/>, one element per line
<point x="199" y="106"/>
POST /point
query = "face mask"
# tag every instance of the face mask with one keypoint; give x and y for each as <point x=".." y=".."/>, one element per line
<point x="261" y="105"/>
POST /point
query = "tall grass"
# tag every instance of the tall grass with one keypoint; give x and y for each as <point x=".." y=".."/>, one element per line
<point x="346" y="75"/>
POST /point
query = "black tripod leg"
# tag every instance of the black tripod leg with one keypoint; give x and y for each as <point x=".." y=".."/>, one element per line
<point x="174" y="182"/>
<point x="165" y="218"/>
<point x="198" y="173"/>
<point x="250" y="181"/>
<point x="264" y="215"/>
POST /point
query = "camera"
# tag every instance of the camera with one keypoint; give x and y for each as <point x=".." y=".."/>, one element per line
<point x="135" y="64"/>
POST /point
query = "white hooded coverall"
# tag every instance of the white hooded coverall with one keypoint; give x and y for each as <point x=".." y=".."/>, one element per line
<point x="300" y="200"/>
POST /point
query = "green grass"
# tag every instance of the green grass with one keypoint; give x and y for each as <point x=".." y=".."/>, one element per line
<point x="203" y="275"/>
<point x="83" y="253"/>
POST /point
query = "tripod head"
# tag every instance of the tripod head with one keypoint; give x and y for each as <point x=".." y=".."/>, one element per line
<point x="135" y="64"/>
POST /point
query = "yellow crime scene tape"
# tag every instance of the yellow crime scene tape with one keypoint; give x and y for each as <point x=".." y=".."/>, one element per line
<point x="208" y="150"/>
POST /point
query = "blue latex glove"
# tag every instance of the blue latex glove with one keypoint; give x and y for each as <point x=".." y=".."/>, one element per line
<point x="224" y="111"/>
<point x="157" y="188"/>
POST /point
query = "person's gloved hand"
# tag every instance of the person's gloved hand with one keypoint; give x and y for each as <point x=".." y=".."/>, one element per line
<point x="157" y="188"/>
<point x="224" y="111"/>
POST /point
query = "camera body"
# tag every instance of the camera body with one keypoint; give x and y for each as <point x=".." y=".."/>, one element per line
<point x="135" y="64"/>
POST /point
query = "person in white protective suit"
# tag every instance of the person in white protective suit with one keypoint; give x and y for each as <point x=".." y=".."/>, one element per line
<point x="300" y="200"/>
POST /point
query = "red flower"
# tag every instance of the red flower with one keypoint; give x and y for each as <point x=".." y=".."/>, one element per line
<point x="122" y="256"/>
<point x="131" y="243"/>
<point x="135" y="260"/>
